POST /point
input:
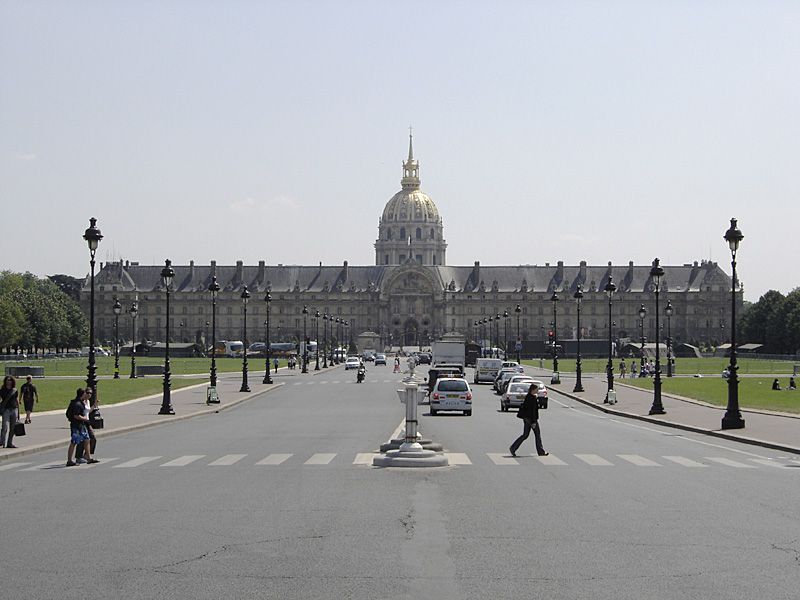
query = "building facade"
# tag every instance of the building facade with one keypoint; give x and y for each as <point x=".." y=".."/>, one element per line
<point x="411" y="295"/>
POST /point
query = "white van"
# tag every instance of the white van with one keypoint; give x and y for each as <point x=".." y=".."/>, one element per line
<point x="486" y="369"/>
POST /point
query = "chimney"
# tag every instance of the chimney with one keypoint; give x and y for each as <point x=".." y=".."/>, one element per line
<point x="344" y="272"/>
<point x="262" y="270"/>
<point x="191" y="270"/>
<point x="213" y="268"/>
<point x="239" y="271"/>
<point x="582" y="273"/>
<point x="476" y="272"/>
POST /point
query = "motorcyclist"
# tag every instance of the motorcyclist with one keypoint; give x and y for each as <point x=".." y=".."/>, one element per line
<point x="362" y="370"/>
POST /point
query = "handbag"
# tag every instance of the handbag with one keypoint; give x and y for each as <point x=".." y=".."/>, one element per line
<point x="19" y="428"/>
<point x="95" y="418"/>
<point x="542" y="402"/>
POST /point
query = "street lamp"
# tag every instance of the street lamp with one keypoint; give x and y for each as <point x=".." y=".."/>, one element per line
<point x="325" y="334"/>
<point x="518" y="310"/>
<point x="214" y="289"/>
<point x="491" y="341"/>
<point x="267" y="346"/>
<point x="117" y="308"/>
<point x="305" y="340"/>
<point x="245" y="296"/>
<point x="578" y="295"/>
<point x="610" y="288"/>
<point x="205" y="339"/>
<point x="167" y="274"/>
<point x="669" y="311"/>
<point x="505" y="333"/>
<point x="497" y="334"/>
<point x="316" y="336"/>
<point x="556" y="378"/>
<point x="133" y="311"/>
<point x="485" y="321"/>
<point x="92" y="236"/>
<point x="733" y="418"/>
<point x="642" y="315"/>
<point x="657" y="272"/>
<point x="338" y="340"/>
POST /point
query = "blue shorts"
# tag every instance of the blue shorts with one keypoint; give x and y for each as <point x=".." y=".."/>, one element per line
<point x="78" y="434"/>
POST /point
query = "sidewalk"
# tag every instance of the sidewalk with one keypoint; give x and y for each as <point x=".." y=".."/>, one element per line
<point x="779" y="431"/>
<point x="51" y="429"/>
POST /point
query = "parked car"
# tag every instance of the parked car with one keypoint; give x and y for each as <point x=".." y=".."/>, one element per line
<point x="512" y="364"/>
<point x="423" y="358"/>
<point x="352" y="362"/>
<point x="451" y="393"/>
<point x="380" y="359"/>
<point x="516" y="392"/>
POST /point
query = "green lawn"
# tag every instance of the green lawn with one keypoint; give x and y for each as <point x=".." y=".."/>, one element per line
<point x="684" y="366"/>
<point x="56" y="393"/>
<point x="754" y="392"/>
<point x="105" y="365"/>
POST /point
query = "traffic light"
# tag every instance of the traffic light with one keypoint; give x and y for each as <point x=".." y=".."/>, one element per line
<point x="551" y="335"/>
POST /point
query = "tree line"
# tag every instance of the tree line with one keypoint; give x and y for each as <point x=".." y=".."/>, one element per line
<point x="38" y="314"/>
<point x="773" y="321"/>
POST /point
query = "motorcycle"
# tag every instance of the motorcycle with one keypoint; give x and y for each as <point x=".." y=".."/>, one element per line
<point x="360" y="375"/>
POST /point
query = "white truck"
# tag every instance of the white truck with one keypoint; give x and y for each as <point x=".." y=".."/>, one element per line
<point x="451" y="353"/>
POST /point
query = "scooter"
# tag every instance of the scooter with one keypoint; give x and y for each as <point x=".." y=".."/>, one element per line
<point x="360" y="375"/>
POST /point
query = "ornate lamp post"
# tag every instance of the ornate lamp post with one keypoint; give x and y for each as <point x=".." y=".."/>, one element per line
<point x="245" y="296"/>
<point x="325" y="334"/>
<point x="556" y="378"/>
<point x="117" y="308"/>
<point x="267" y="347"/>
<point x="483" y="334"/>
<point x="133" y="311"/>
<point x="316" y="336"/>
<point x="214" y="289"/>
<point x="167" y="274"/>
<point x="578" y="295"/>
<point x="669" y="311"/>
<point x="92" y="236"/>
<point x="497" y="334"/>
<point x="518" y="310"/>
<point x="657" y="272"/>
<point x="733" y="417"/>
<point x="336" y="355"/>
<point x="305" y="340"/>
<point x="642" y="315"/>
<point x="491" y="340"/>
<point x="610" y="288"/>
<point x="505" y="333"/>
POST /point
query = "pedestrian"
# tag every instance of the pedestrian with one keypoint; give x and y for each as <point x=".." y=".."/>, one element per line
<point x="275" y="363"/>
<point x="634" y="369"/>
<point x="29" y="395"/>
<point x="776" y="385"/>
<point x="529" y="413"/>
<point x="792" y="386"/>
<point x="396" y="364"/>
<point x="78" y="420"/>
<point x="9" y="407"/>
<point x="87" y="410"/>
<point x="622" y="369"/>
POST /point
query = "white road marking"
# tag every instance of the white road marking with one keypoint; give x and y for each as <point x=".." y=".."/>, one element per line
<point x="136" y="462"/>
<point x="684" y="462"/>
<point x="594" y="460"/>
<point x="227" y="460"/>
<point x="639" y="461"/>
<point x="274" y="459"/>
<point x="103" y="461"/>
<point x="728" y="462"/>
<point x="551" y="461"/>
<point x="183" y="460"/>
<point x="458" y="458"/>
<point x="768" y="462"/>
<point x="321" y="458"/>
<point x="365" y="458"/>
<point x="13" y="466"/>
<point x="400" y="429"/>
<point x="47" y="465"/>
<point x="501" y="459"/>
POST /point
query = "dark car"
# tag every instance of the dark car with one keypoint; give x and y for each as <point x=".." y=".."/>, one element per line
<point x="423" y="358"/>
<point x="443" y="371"/>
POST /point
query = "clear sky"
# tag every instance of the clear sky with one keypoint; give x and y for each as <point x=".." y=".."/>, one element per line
<point x="257" y="130"/>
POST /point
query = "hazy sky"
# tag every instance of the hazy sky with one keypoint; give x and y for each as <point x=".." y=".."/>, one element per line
<point x="275" y="131"/>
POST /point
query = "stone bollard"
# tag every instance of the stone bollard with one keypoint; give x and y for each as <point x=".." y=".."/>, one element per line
<point x="410" y="453"/>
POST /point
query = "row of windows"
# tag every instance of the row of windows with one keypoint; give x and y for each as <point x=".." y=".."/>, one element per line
<point x="417" y="234"/>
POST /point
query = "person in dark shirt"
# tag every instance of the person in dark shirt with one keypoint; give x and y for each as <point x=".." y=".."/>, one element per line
<point x="29" y="395"/>
<point x="78" y="420"/>
<point x="9" y="408"/>
<point x="529" y="413"/>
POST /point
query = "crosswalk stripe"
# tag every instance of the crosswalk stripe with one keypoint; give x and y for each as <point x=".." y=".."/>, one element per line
<point x="684" y="462"/>
<point x="458" y="458"/>
<point x="594" y="460"/>
<point x="183" y="460"/>
<point x="47" y="465"/>
<point x="501" y="459"/>
<point x="227" y="460"/>
<point x="768" y="462"/>
<point x="321" y="458"/>
<point x="364" y="458"/>
<point x="298" y="383"/>
<point x="639" y="461"/>
<point x="103" y="461"/>
<point x="551" y="461"/>
<point x="15" y="465"/>
<point x="136" y="462"/>
<point x="274" y="459"/>
<point x="728" y="462"/>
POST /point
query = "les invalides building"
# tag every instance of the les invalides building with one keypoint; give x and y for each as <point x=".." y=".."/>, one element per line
<point x="411" y="295"/>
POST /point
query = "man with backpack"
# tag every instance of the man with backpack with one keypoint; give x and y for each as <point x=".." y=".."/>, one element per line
<point x="78" y="417"/>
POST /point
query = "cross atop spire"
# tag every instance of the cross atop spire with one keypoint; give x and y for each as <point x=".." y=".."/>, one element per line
<point x="410" y="144"/>
<point x="410" y="178"/>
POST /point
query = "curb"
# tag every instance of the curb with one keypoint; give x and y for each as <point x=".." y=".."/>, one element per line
<point x="120" y="430"/>
<point x="692" y="428"/>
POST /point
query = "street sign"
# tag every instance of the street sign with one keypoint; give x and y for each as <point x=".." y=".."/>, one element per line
<point x="518" y="346"/>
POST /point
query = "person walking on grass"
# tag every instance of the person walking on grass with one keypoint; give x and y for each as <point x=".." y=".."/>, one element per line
<point x="78" y="420"/>
<point x="9" y="408"/>
<point x="29" y="395"/>
<point x="529" y="413"/>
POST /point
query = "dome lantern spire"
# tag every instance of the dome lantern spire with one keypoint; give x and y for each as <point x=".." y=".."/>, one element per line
<point x="410" y="180"/>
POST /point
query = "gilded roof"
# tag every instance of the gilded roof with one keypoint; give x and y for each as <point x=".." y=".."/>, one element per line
<point x="410" y="206"/>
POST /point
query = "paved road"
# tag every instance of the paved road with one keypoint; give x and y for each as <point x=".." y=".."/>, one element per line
<point x="276" y="499"/>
